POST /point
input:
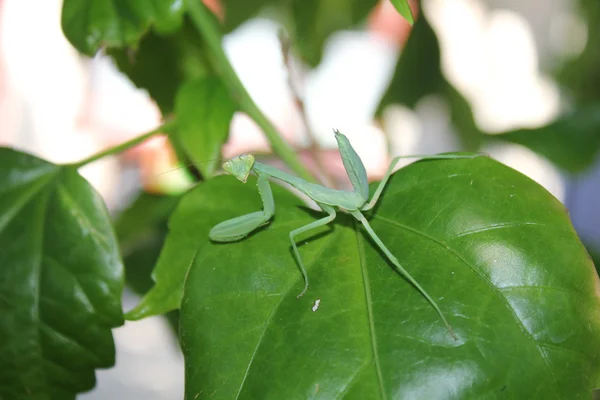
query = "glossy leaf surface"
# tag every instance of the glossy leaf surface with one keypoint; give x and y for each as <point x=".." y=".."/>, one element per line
<point x="204" y="111"/>
<point x="61" y="279"/>
<point x="494" y="249"/>
<point x="91" y="24"/>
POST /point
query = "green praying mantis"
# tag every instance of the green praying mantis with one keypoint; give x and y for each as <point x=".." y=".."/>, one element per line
<point x="354" y="202"/>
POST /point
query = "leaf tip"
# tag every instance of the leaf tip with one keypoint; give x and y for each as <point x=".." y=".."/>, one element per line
<point x="403" y="8"/>
<point x="139" y="312"/>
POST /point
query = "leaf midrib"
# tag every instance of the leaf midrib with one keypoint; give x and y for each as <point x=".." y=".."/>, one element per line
<point x="369" y="303"/>
<point x="21" y="201"/>
<point x="276" y="307"/>
<point x="38" y="273"/>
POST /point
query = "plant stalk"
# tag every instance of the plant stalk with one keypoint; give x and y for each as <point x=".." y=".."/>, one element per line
<point x="207" y="26"/>
<point x="164" y="128"/>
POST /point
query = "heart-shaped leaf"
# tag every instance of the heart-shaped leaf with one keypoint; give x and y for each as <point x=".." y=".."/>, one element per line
<point x="61" y="279"/>
<point x="494" y="249"/>
<point x="204" y="111"/>
<point x="91" y="24"/>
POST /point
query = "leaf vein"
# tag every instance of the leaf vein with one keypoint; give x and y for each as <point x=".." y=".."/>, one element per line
<point x="71" y="340"/>
<point x="369" y="303"/>
<point x="551" y="288"/>
<point x="274" y="311"/>
<point x="78" y="213"/>
<point x="38" y="273"/>
<point x="22" y="200"/>
<point x="75" y="278"/>
<point x="588" y="356"/>
<point x="352" y="380"/>
<point x="421" y="183"/>
<point x="502" y="225"/>
<point x="485" y="280"/>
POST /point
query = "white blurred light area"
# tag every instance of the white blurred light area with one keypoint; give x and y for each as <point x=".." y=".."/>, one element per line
<point x="254" y="52"/>
<point x="490" y="54"/>
<point x="341" y="93"/>
<point x="60" y="105"/>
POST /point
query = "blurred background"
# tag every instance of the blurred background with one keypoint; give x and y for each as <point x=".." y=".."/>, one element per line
<point x="519" y="80"/>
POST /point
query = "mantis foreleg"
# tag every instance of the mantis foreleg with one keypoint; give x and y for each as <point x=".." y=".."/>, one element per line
<point x="358" y="215"/>
<point x="383" y="182"/>
<point x="240" y="227"/>
<point x="323" y="221"/>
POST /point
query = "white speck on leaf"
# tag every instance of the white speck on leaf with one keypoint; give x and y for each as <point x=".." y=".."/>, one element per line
<point x="316" y="306"/>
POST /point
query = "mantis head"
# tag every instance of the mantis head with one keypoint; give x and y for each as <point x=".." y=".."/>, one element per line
<point x="240" y="167"/>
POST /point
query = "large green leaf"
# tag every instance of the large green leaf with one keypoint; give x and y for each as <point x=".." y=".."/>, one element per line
<point x="315" y="20"/>
<point x="161" y="63"/>
<point x="61" y="279"/>
<point x="571" y="142"/>
<point x="197" y="212"/>
<point x="91" y="24"/>
<point x="204" y="111"/>
<point x="494" y="249"/>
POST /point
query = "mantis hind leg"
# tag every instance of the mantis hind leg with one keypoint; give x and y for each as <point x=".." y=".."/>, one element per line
<point x="323" y="221"/>
<point x="358" y="215"/>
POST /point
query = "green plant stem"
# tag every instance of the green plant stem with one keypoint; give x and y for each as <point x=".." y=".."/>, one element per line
<point x="207" y="26"/>
<point x="164" y="128"/>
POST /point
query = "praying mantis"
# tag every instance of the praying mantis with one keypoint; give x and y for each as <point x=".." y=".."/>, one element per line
<point x="354" y="202"/>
